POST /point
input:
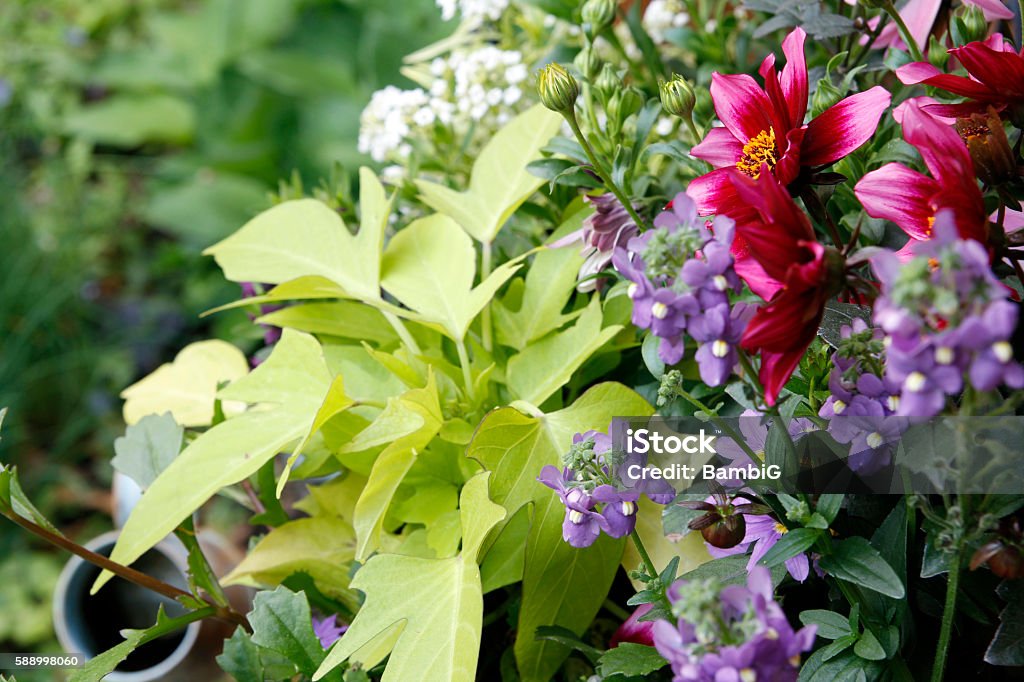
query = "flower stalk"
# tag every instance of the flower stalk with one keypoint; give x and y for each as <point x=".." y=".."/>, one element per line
<point x="948" y="613"/>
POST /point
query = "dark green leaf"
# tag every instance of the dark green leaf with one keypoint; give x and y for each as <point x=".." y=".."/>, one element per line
<point x="830" y="624"/>
<point x="829" y="505"/>
<point x="630" y="659"/>
<point x="856" y="561"/>
<point x="241" y="657"/>
<point x="1007" y="647"/>
<point x="566" y="637"/>
<point x="281" y="622"/>
<point x="867" y="647"/>
<point x="730" y="570"/>
<point x="790" y="544"/>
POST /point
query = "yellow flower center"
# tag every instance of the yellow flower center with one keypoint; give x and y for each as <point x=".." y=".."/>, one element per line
<point x="781" y="529"/>
<point x="759" y="150"/>
<point x="930" y="227"/>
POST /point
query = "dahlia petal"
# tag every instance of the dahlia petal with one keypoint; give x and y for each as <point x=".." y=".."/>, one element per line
<point x="714" y="193"/>
<point x="919" y="16"/>
<point x="942" y="150"/>
<point x="1001" y="72"/>
<point x="922" y="72"/>
<point x="741" y="105"/>
<point x="926" y="104"/>
<point x="720" y="148"/>
<point x="751" y="272"/>
<point x="794" y="76"/>
<point x="844" y="126"/>
<point x="776" y="368"/>
<point x="896" y="193"/>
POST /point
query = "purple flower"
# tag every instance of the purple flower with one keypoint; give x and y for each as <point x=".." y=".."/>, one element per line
<point x="596" y="495"/>
<point x="610" y="226"/>
<point x="679" y="272"/>
<point x="945" y="316"/>
<point x="327" y="630"/>
<point x="732" y="634"/>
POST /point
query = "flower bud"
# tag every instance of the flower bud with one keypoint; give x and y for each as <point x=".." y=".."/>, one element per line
<point x="990" y="150"/>
<point x="677" y="97"/>
<point x="587" y="63"/>
<point x="974" y="22"/>
<point x="825" y="95"/>
<point x="558" y="89"/>
<point x="597" y="16"/>
<point x="938" y="54"/>
<point x="727" y="532"/>
<point x="607" y="81"/>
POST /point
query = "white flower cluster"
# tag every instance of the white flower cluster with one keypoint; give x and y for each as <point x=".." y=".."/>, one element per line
<point x="476" y="91"/>
<point x="663" y="15"/>
<point x="472" y="9"/>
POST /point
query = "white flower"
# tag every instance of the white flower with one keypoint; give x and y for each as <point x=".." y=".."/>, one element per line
<point x="476" y="10"/>
<point x="662" y="15"/>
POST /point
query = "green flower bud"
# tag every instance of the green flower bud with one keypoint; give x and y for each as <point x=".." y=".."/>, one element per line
<point x="558" y="89"/>
<point x="938" y="55"/>
<point x="587" y="63"/>
<point x="975" y="24"/>
<point x="825" y="96"/>
<point x="607" y="81"/>
<point x="677" y="97"/>
<point x="597" y="16"/>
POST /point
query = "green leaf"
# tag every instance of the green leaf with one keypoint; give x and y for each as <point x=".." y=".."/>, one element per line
<point x="147" y="448"/>
<point x="1007" y="647"/>
<point x="102" y="665"/>
<point x="420" y="408"/>
<point x="830" y="624"/>
<point x="291" y="387"/>
<point x="537" y="307"/>
<point x="241" y="657"/>
<point x="347" y="319"/>
<point x="187" y="387"/>
<point x="130" y="120"/>
<point x="856" y="561"/>
<point x="281" y="621"/>
<point x="430" y="267"/>
<point x="868" y="647"/>
<point x="631" y="660"/>
<point x="14" y="499"/>
<point x="436" y="604"/>
<point x="544" y="367"/>
<point x="844" y="667"/>
<point x="500" y="182"/>
<point x="322" y="547"/>
<point x="304" y="238"/>
<point x="789" y="545"/>
<point x="562" y="585"/>
<point x="503" y="563"/>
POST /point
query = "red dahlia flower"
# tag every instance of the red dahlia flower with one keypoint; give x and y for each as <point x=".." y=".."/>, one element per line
<point x="765" y="127"/>
<point x="911" y="199"/>
<point x="996" y="79"/>
<point x="805" y="276"/>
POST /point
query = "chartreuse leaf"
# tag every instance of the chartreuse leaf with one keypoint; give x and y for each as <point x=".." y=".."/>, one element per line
<point x="147" y="448"/>
<point x="334" y="404"/>
<point x="562" y="585"/>
<point x="291" y="388"/>
<point x="305" y="238"/>
<point x="500" y="182"/>
<point x="430" y="266"/>
<point x="544" y="367"/>
<point x="188" y="386"/>
<point x="436" y="603"/>
<point x="690" y="549"/>
<point x="347" y="319"/>
<point x="533" y="307"/>
<point x="504" y="560"/>
<point x="323" y="547"/>
<point x="417" y="407"/>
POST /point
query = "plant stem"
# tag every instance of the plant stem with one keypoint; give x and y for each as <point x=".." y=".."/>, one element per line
<point x="688" y="120"/>
<point x="467" y="375"/>
<point x="599" y="168"/>
<point x="719" y="422"/>
<point x="126" y="572"/>
<point x="644" y="556"/>
<point x="402" y="331"/>
<point x="485" y="318"/>
<point x="948" y="611"/>
<point x="616" y="610"/>
<point x="915" y="51"/>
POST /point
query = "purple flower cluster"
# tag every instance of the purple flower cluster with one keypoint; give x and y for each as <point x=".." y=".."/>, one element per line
<point x="946" y="316"/>
<point x="595" y="494"/>
<point x="733" y="633"/>
<point x="681" y="275"/>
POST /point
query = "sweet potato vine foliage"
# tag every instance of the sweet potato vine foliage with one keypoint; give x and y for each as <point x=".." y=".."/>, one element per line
<point x="755" y="216"/>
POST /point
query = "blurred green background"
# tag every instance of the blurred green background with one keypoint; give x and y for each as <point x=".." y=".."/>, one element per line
<point x="133" y="133"/>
